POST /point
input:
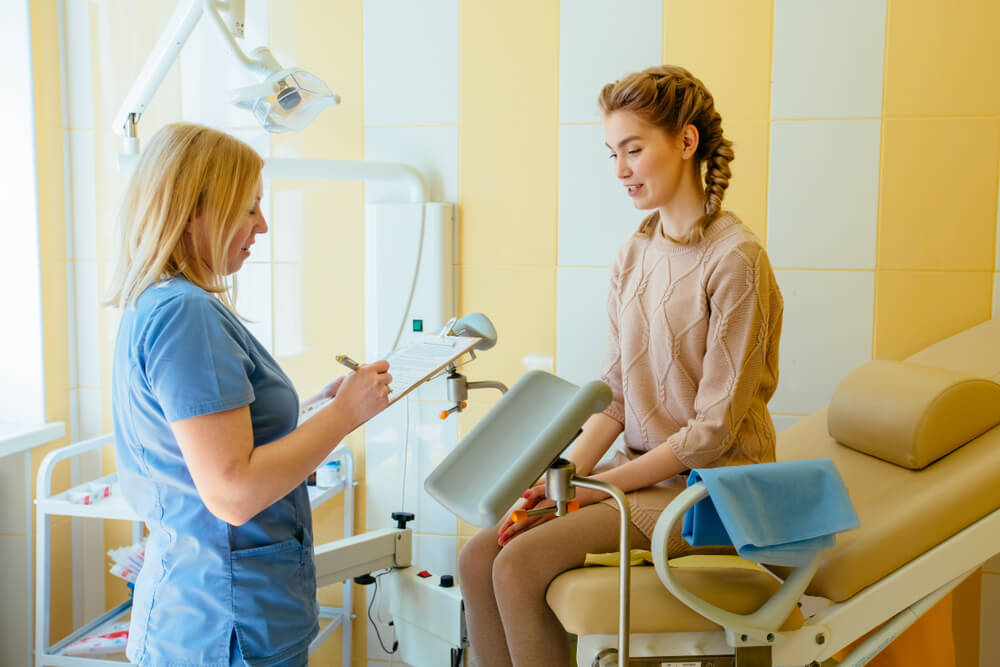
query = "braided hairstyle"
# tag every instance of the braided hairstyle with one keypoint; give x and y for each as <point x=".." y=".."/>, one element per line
<point x="672" y="98"/>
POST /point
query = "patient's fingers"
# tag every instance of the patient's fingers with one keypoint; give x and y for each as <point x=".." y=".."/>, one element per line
<point x="524" y="526"/>
<point x="531" y="498"/>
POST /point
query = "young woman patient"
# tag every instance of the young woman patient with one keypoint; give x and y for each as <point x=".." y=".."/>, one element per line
<point x="694" y="320"/>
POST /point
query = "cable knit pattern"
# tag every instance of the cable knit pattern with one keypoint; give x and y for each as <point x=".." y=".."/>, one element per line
<point x="692" y="354"/>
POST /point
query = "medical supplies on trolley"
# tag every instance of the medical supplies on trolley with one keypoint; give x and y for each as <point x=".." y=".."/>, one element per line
<point x="127" y="561"/>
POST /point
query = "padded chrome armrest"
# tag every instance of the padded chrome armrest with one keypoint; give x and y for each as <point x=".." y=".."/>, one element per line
<point x="760" y="627"/>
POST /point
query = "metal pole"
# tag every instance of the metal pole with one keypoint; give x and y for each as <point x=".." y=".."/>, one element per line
<point x="625" y="553"/>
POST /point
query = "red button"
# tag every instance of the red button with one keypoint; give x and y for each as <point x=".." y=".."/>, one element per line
<point x="423" y="574"/>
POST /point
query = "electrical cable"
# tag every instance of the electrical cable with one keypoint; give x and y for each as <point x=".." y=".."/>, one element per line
<point x="416" y="274"/>
<point x="406" y="449"/>
<point x="395" y="643"/>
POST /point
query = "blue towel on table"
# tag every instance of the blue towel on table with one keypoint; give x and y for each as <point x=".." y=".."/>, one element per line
<point x="777" y="513"/>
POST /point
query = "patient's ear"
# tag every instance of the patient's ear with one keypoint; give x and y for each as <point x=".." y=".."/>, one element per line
<point x="689" y="141"/>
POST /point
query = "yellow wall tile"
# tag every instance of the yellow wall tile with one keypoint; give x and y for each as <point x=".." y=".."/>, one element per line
<point x="914" y="309"/>
<point x="336" y="55"/>
<point x="941" y="58"/>
<point x="132" y="30"/>
<point x="938" y="193"/>
<point x="61" y="578"/>
<point x="508" y="137"/>
<point x="704" y="36"/>
<point x="746" y="195"/>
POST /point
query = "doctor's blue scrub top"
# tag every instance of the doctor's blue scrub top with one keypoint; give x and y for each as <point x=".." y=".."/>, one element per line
<point x="180" y="353"/>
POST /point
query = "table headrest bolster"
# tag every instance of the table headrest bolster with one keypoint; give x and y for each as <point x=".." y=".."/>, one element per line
<point x="911" y="415"/>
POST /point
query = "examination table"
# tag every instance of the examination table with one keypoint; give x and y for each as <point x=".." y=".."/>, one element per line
<point x="918" y="445"/>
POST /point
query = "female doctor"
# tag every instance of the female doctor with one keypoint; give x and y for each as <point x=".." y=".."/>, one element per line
<point x="205" y="420"/>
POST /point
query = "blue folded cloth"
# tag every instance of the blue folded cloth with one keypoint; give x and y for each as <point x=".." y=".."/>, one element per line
<point x="777" y="513"/>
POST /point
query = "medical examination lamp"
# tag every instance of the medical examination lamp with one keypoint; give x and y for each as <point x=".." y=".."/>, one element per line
<point x="286" y="99"/>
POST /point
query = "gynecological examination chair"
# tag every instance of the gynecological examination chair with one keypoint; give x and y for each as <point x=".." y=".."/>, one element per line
<point x="917" y="444"/>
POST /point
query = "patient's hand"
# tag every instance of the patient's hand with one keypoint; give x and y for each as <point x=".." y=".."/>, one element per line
<point x="533" y="497"/>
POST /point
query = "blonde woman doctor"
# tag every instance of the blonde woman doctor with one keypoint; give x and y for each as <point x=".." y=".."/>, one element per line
<point x="205" y="420"/>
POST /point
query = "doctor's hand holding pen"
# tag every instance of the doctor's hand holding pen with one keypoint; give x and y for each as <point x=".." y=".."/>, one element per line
<point x="363" y="393"/>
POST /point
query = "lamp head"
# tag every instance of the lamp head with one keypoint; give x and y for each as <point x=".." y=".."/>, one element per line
<point x="288" y="99"/>
<point x="477" y="324"/>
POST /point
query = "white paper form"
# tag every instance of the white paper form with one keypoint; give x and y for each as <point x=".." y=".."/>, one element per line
<point x="413" y="364"/>
<point x="422" y="359"/>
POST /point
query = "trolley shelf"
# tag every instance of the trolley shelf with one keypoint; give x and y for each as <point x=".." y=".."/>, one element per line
<point x="113" y="506"/>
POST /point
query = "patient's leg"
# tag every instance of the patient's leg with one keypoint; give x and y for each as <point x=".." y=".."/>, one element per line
<point x="524" y="567"/>
<point x="482" y="618"/>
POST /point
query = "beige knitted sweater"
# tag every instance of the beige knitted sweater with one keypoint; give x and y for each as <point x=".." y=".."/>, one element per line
<point x="692" y="355"/>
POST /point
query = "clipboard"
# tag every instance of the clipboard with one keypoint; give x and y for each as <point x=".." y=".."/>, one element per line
<point x="423" y="357"/>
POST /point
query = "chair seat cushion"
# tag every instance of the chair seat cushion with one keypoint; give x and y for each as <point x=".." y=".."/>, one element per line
<point x="585" y="600"/>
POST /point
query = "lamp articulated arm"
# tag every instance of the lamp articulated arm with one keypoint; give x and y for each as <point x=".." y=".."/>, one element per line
<point x="179" y="27"/>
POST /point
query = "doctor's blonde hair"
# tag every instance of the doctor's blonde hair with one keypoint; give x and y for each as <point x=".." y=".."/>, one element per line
<point x="186" y="170"/>
<point x="671" y="98"/>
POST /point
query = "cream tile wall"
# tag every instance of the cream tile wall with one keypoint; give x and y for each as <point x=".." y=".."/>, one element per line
<point x="815" y="76"/>
<point x="411" y="116"/>
<point x="595" y="215"/>
<point x="823" y="194"/>
<point x="583" y="25"/>
<point x="411" y="62"/>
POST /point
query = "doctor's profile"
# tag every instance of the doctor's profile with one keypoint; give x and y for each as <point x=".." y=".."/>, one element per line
<point x="694" y="321"/>
<point x="208" y="449"/>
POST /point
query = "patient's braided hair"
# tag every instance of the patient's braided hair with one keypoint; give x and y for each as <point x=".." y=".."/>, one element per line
<point x="671" y="97"/>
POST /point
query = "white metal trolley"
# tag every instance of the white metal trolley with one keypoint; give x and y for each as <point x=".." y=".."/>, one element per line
<point x="114" y="507"/>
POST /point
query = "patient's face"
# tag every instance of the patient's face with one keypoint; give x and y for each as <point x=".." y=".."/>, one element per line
<point x="647" y="161"/>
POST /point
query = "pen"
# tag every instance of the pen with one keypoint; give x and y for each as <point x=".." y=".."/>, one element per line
<point x="347" y="361"/>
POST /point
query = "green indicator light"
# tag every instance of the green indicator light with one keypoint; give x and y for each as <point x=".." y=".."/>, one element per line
<point x="418" y="325"/>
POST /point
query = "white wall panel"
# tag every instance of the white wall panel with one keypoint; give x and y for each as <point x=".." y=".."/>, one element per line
<point x="827" y="332"/>
<point x="430" y="440"/>
<point x="781" y="422"/>
<point x="254" y="301"/>
<point x="599" y="42"/>
<point x="381" y="617"/>
<point x="289" y="314"/>
<point x="288" y="225"/>
<point x="827" y="58"/>
<point x="437" y="554"/>
<point x="78" y="61"/>
<point x="383" y="465"/>
<point x="823" y="194"/>
<point x="411" y="62"/>
<point x="91" y="413"/>
<point x="431" y="150"/>
<point x="595" y="214"/>
<point x="88" y="331"/>
<point x="84" y="192"/>
<point x="582" y="323"/>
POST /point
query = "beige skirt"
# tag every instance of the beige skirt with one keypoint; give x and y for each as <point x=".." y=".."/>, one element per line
<point x="648" y="503"/>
